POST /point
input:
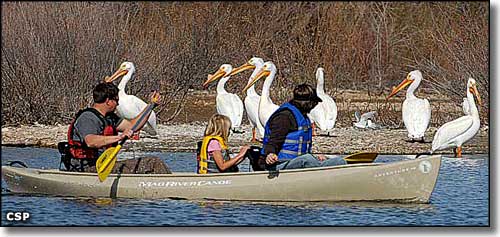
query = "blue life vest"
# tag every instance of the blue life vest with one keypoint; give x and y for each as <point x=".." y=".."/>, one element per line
<point x="296" y="143"/>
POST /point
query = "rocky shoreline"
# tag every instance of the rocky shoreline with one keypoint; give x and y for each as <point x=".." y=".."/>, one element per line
<point x="183" y="137"/>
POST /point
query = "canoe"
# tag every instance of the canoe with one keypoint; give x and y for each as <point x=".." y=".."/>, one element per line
<point x="404" y="181"/>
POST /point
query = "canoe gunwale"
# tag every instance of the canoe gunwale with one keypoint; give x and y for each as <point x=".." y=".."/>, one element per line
<point x="188" y="174"/>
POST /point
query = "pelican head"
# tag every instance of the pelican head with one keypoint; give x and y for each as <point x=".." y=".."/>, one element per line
<point x="471" y="86"/>
<point x="125" y="68"/>
<point x="251" y="64"/>
<point x="264" y="72"/>
<point x="223" y="71"/>
<point x="412" y="76"/>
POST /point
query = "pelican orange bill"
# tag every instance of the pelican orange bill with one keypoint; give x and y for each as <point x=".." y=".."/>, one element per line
<point x="242" y="68"/>
<point x="261" y="74"/>
<point x="118" y="73"/>
<point x="401" y="86"/>
<point x="213" y="77"/>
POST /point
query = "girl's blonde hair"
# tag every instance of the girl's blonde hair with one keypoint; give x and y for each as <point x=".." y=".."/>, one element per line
<point x="218" y="125"/>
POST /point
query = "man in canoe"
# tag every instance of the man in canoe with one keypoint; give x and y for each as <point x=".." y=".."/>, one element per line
<point x="287" y="139"/>
<point x="96" y="128"/>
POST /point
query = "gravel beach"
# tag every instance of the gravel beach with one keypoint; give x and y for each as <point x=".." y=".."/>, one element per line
<point x="183" y="137"/>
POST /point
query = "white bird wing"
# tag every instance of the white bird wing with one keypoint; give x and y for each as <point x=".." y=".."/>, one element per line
<point x="325" y="113"/>
<point x="151" y="126"/>
<point x="231" y="106"/>
<point x="130" y="107"/>
<point x="252" y="109"/>
<point x="465" y="106"/>
<point x="369" y="115"/>
<point x="317" y="115"/>
<point x="416" y="116"/>
<point x="357" y="116"/>
<point x="451" y="130"/>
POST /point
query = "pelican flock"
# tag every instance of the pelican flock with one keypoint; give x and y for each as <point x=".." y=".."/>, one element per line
<point x="129" y="105"/>
<point x="252" y="99"/>
<point x="227" y="103"/>
<point x="266" y="105"/>
<point x="416" y="111"/>
<point x="324" y="114"/>
<point x="457" y="132"/>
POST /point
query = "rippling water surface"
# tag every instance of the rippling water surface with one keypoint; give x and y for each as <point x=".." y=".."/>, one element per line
<point x="461" y="198"/>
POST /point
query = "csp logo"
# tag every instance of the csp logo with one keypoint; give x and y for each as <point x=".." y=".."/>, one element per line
<point x="17" y="216"/>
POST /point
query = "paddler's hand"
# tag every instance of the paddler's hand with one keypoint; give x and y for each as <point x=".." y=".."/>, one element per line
<point x="271" y="158"/>
<point x="155" y="98"/>
<point x="321" y="157"/>
<point x="244" y="149"/>
<point x="127" y="133"/>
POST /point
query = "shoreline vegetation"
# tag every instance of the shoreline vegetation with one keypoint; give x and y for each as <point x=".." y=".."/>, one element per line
<point x="54" y="53"/>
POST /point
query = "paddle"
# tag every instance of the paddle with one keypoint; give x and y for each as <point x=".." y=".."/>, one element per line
<point x="107" y="159"/>
<point x="361" y="157"/>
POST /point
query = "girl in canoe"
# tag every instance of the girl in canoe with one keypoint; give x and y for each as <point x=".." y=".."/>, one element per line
<point x="213" y="151"/>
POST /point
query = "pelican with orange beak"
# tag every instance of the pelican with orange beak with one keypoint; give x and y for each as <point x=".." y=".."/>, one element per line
<point x="227" y="103"/>
<point x="129" y="105"/>
<point x="252" y="99"/>
<point x="266" y="105"/>
<point x="457" y="132"/>
<point x="416" y="111"/>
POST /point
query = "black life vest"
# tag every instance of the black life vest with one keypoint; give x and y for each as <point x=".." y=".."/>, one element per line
<point x="80" y="150"/>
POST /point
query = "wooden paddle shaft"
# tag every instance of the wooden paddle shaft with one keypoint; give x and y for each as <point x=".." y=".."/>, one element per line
<point x="140" y="120"/>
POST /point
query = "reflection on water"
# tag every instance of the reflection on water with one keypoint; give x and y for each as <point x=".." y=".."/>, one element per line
<point x="460" y="198"/>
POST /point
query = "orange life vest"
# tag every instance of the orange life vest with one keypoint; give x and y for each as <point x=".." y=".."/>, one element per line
<point x="80" y="150"/>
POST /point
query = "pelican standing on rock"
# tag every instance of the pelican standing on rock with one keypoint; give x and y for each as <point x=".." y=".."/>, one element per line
<point x="416" y="111"/>
<point x="252" y="99"/>
<point x="266" y="105"/>
<point x="457" y="132"/>
<point x="129" y="105"/>
<point x="324" y="114"/>
<point x="227" y="103"/>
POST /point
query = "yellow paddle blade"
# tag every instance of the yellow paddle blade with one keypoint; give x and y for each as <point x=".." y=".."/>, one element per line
<point x="106" y="162"/>
<point x="361" y="157"/>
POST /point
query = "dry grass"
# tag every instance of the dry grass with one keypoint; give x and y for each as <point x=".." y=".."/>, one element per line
<point x="53" y="53"/>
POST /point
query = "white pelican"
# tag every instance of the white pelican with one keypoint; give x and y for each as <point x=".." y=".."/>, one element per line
<point x="266" y="105"/>
<point x="252" y="99"/>
<point x="227" y="103"/>
<point x="325" y="113"/>
<point x="366" y="120"/>
<point x="129" y="105"/>
<point x="416" y="112"/>
<point x="457" y="132"/>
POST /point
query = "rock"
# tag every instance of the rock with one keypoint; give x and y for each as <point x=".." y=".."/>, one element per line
<point x="183" y="138"/>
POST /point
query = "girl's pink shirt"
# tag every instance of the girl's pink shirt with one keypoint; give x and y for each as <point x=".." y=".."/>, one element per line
<point x="213" y="145"/>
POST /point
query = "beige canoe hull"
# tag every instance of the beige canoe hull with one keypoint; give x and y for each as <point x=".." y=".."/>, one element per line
<point x="404" y="181"/>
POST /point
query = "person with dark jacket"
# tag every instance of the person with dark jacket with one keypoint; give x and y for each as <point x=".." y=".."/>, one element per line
<point x="287" y="139"/>
<point x="96" y="128"/>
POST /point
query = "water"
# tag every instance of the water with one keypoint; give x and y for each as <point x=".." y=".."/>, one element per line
<point x="461" y="198"/>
